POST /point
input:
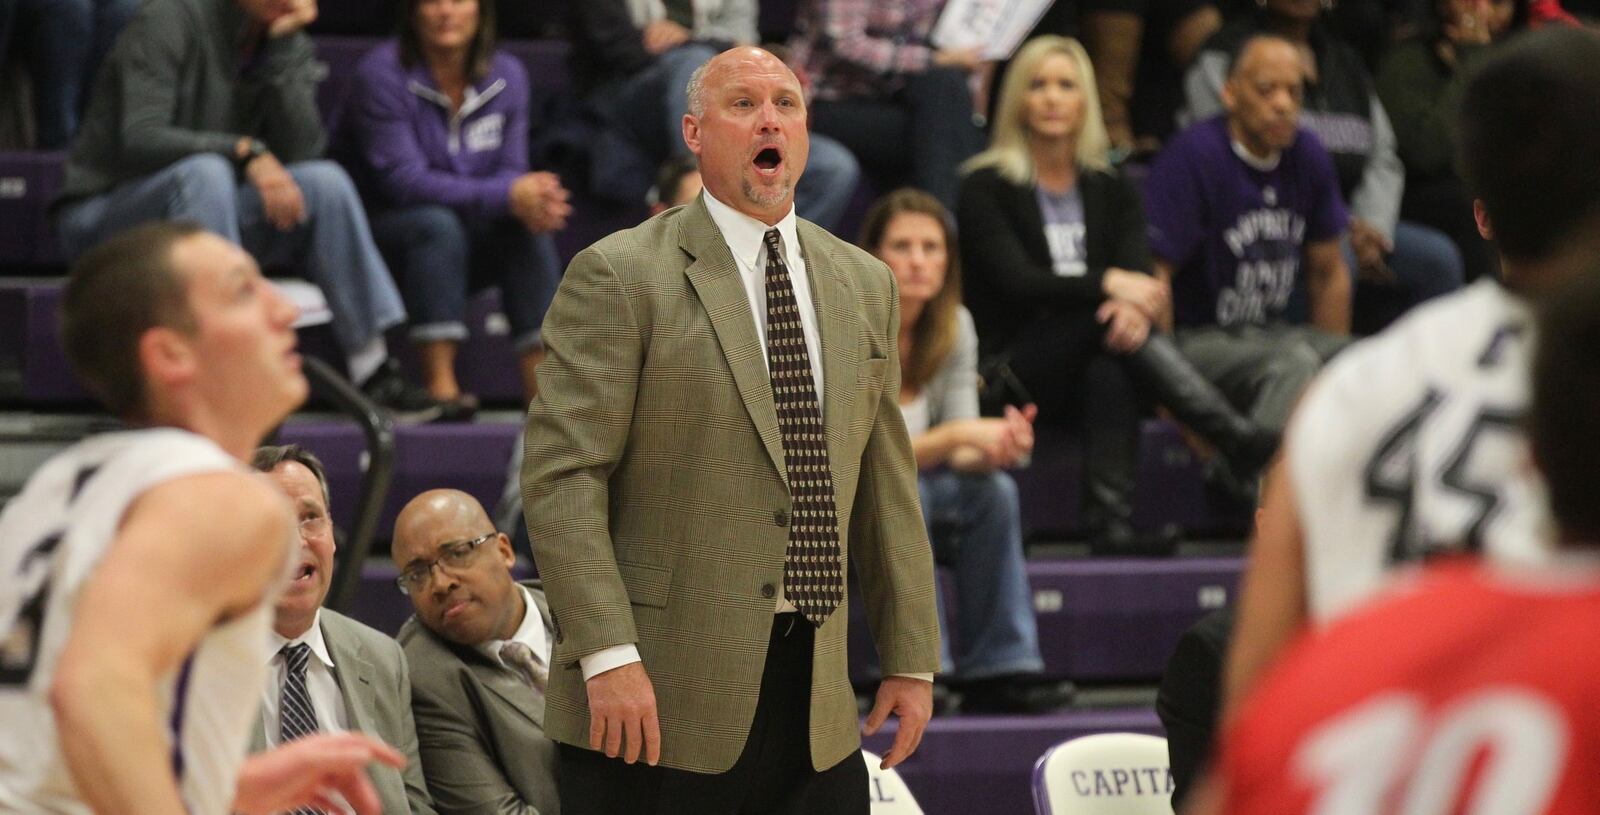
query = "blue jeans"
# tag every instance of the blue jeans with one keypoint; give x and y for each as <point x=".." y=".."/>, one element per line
<point x="975" y="525"/>
<point x="65" y="41"/>
<point x="332" y="248"/>
<point x="439" y="258"/>
<point x="650" y="105"/>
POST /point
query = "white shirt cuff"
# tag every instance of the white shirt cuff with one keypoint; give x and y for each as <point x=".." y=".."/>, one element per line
<point x="926" y="677"/>
<point x="607" y="659"/>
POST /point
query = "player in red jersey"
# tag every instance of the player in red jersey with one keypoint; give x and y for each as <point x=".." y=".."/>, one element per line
<point x="1471" y="688"/>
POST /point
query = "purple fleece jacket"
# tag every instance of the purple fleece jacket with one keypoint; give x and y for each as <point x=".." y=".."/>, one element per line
<point x="407" y="148"/>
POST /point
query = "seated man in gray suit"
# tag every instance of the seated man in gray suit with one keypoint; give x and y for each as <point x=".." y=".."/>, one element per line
<point x="479" y="650"/>
<point x="329" y="672"/>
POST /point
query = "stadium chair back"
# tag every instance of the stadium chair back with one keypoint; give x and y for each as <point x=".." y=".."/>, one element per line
<point x="1104" y="774"/>
<point x="890" y="795"/>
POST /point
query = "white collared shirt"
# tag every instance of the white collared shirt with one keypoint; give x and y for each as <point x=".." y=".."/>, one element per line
<point x="321" y="684"/>
<point x="530" y="633"/>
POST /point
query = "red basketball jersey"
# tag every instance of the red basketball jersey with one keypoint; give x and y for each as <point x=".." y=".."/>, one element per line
<point x="1473" y="689"/>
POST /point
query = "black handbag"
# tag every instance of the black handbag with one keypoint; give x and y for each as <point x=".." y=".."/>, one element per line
<point x="999" y="386"/>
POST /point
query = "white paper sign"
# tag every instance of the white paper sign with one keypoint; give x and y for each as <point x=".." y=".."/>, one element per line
<point x="997" y="26"/>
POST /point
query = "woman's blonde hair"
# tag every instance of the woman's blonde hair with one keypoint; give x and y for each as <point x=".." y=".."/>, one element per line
<point x="1008" y="143"/>
<point x="935" y="334"/>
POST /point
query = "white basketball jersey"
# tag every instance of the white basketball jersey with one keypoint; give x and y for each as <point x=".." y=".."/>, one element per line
<point x="1410" y="443"/>
<point x="52" y="536"/>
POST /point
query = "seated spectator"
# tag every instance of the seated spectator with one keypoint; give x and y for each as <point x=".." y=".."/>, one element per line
<point x="1243" y="209"/>
<point x="1343" y="110"/>
<point x="479" y="653"/>
<point x="633" y="60"/>
<point x="677" y="184"/>
<point x="199" y="94"/>
<point x="1151" y="43"/>
<point x="902" y="106"/>
<point x="437" y="134"/>
<point x="329" y="673"/>
<point x="968" y="501"/>
<point x="1053" y="238"/>
<point x="64" y="42"/>
<point x="1420" y="82"/>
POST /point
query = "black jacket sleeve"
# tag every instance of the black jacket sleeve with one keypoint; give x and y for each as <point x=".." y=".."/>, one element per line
<point x="605" y="43"/>
<point x="281" y="93"/>
<point x="995" y="236"/>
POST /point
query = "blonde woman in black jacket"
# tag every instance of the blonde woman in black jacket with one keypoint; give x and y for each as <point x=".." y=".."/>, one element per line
<point x="1053" y="238"/>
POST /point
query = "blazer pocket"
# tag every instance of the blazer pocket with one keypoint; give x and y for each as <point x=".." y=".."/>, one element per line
<point x="646" y="585"/>
<point x="873" y="369"/>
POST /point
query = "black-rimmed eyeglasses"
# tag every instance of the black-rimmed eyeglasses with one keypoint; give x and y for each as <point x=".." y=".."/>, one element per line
<point x="452" y="556"/>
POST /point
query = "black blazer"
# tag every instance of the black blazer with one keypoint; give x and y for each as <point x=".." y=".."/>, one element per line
<point x="1190" y="698"/>
<point x="1008" y="279"/>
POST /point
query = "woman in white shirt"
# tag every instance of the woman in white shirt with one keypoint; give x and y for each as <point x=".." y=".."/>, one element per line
<point x="968" y="502"/>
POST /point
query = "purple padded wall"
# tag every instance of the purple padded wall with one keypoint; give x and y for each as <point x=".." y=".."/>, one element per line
<point x="28" y="182"/>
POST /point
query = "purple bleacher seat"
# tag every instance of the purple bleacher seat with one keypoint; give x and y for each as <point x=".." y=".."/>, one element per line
<point x="30" y="345"/>
<point x="469" y="457"/>
<point x="984" y="764"/>
<point x="29" y="180"/>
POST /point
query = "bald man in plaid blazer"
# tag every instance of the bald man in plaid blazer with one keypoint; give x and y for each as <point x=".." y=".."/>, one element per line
<point x="659" y="504"/>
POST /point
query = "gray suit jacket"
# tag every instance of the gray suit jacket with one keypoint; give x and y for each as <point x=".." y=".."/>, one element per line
<point x="372" y="676"/>
<point x="480" y="729"/>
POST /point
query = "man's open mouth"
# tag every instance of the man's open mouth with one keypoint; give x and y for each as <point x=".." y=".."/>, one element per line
<point x="768" y="160"/>
<point x="305" y="572"/>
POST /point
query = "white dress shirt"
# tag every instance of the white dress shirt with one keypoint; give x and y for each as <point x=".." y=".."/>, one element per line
<point x="746" y="240"/>
<point x="320" y="684"/>
<point x="530" y="633"/>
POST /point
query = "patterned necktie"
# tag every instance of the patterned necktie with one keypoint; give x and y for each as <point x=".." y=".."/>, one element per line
<point x="296" y="717"/>
<point x="811" y="574"/>
<point x="520" y="657"/>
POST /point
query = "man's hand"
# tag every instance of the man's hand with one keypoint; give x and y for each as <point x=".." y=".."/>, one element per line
<point x="1371" y="250"/>
<point x="664" y="35"/>
<point x="280" y="195"/>
<point x="622" y="714"/>
<point x="967" y="59"/>
<point x="294" y="16"/>
<point x="912" y="701"/>
<point x="305" y="772"/>
<point x="1150" y="294"/>
<point x="540" y="202"/>
<point x="1127" y="326"/>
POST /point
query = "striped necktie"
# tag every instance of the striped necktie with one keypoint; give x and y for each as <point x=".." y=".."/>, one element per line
<point x="812" y="579"/>
<point x="297" y="718"/>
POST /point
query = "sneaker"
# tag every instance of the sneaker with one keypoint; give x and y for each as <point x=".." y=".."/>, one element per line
<point x="407" y="403"/>
<point x="1015" y="694"/>
<point x="1122" y="540"/>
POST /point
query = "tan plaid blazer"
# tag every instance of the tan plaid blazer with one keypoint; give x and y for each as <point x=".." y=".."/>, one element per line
<point x="655" y="493"/>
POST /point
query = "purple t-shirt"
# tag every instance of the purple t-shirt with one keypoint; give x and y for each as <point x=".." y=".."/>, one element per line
<point x="1234" y="234"/>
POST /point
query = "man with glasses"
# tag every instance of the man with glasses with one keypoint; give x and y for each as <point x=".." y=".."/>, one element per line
<point x="329" y="673"/>
<point x="479" y="651"/>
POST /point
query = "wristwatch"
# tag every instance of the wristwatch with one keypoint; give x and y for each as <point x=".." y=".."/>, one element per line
<point x="255" y="148"/>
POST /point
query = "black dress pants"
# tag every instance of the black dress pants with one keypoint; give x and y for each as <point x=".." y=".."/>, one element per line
<point x="773" y="776"/>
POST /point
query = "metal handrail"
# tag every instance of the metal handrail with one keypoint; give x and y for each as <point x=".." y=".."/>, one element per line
<point x="379" y="431"/>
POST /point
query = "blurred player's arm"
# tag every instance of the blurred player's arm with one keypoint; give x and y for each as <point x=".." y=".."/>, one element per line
<point x="190" y="554"/>
<point x="1272" y="600"/>
<point x="1328" y="282"/>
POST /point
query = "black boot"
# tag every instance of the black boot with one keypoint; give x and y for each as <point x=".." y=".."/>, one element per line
<point x="1110" y="464"/>
<point x="1163" y="372"/>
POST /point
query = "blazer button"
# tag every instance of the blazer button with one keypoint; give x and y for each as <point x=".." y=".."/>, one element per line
<point x="768" y="591"/>
<point x="781" y="517"/>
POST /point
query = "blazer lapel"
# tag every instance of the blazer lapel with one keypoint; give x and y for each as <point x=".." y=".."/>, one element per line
<point x="715" y="276"/>
<point x="354" y="673"/>
<point x="839" y="334"/>
<point x="509" y="687"/>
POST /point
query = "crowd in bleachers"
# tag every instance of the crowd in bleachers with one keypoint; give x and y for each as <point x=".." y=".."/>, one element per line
<point x="1192" y="211"/>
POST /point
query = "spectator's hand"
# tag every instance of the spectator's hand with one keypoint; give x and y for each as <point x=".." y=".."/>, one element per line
<point x="1372" y="250"/>
<point x="280" y="195"/>
<point x="1467" y="23"/>
<point x="1145" y="292"/>
<point x="912" y="701"/>
<point x="967" y="59"/>
<point x="999" y="442"/>
<point x="662" y="36"/>
<point x="622" y="714"/>
<point x="1021" y="423"/>
<point x="540" y="202"/>
<point x="304" y="773"/>
<point x="296" y="15"/>
<point x="1126" y="326"/>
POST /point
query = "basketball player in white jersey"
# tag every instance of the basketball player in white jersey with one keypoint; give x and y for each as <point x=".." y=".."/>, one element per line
<point x="140" y="567"/>
<point x="1410" y="444"/>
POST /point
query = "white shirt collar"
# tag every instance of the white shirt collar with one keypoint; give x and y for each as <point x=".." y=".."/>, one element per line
<point x="1265" y="165"/>
<point x="530" y="633"/>
<point x="311" y="637"/>
<point x="746" y="236"/>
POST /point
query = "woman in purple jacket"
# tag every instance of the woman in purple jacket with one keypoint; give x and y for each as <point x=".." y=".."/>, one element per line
<point x="438" y="129"/>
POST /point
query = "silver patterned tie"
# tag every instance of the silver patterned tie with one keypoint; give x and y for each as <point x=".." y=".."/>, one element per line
<point x="297" y="718"/>
<point x="521" y="658"/>
<point x="812" y="579"/>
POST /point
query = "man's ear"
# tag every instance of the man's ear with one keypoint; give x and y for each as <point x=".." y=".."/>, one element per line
<point x="691" y="133"/>
<point x="1481" y="216"/>
<point x="1229" y="100"/>
<point x="167" y="356"/>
